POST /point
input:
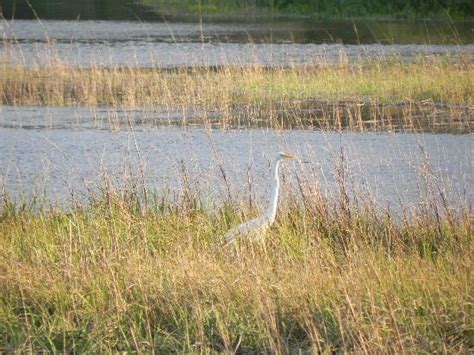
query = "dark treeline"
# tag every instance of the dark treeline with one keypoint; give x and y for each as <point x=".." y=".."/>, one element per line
<point x="149" y="9"/>
<point x="76" y="9"/>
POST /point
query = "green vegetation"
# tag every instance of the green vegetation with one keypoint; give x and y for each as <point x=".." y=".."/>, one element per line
<point x="323" y="95"/>
<point x="321" y="8"/>
<point x="334" y="276"/>
<point x="143" y="274"/>
<point x="438" y="81"/>
<point x="120" y="9"/>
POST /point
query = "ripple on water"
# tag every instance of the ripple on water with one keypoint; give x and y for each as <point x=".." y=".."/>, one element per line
<point x="387" y="168"/>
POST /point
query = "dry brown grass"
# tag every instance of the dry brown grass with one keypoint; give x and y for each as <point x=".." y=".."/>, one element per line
<point x="381" y="93"/>
<point x="335" y="275"/>
<point x="113" y="277"/>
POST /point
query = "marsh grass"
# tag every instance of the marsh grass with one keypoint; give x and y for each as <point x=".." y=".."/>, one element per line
<point x="384" y="93"/>
<point x="133" y="271"/>
<point x="334" y="275"/>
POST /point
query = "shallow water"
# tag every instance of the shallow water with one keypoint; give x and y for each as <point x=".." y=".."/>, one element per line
<point x="385" y="168"/>
<point x="61" y="152"/>
<point x="312" y="114"/>
<point x="158" y="44"/>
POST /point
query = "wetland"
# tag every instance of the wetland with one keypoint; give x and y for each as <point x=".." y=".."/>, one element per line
<point x="128" y="148"/>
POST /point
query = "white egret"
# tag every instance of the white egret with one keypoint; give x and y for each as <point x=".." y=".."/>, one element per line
<point x="257" y="227"/>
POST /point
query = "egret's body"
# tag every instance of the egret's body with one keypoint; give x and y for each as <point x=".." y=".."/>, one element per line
<point x="256" y="228"/>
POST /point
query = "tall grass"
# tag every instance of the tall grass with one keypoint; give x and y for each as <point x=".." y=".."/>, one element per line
<point x="137" y="272"/>
<point x="334" y="275"/>
<point x="384" y="92"/>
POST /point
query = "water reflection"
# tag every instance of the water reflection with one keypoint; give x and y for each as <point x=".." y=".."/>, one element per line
<point x="86" y="43"/>
<point x="302" y="32"/>
<point x="309" y="114"/>
<point x="265" y="29"/>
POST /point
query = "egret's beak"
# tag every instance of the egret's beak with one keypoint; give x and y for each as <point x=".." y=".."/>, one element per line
<point x="288" y="156"/>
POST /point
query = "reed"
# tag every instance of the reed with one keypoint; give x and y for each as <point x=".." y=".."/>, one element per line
<point x="335" y="275"/>
<point x="131" y="270"/>
<point x="384" y="92"/>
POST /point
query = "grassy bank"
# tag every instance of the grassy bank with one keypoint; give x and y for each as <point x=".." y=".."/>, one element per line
<point x="113" y="277"/>
<point x="326" y="95"/>
<point x="146" y="9"/>
<point x="354" y="8"/>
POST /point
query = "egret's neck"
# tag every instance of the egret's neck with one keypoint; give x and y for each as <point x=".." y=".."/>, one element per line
<point x="270" y="213"/>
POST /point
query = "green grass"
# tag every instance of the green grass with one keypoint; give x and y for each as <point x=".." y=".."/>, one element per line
<point x="112" y="277"/>
<point x="386" y="80"/>
<point x="459" y="9"/>
<point x="333" y="276"/>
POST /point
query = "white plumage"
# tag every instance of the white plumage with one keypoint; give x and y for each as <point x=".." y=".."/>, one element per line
<point x="256" y="228"/>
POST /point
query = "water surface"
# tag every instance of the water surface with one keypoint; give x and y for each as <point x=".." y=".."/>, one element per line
<point x="63" y="152"/>
<point x="388" y="169"/>
<point x="163" y="44"/>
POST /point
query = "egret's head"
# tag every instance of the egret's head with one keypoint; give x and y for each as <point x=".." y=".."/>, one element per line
<point x="282" y="155"/>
